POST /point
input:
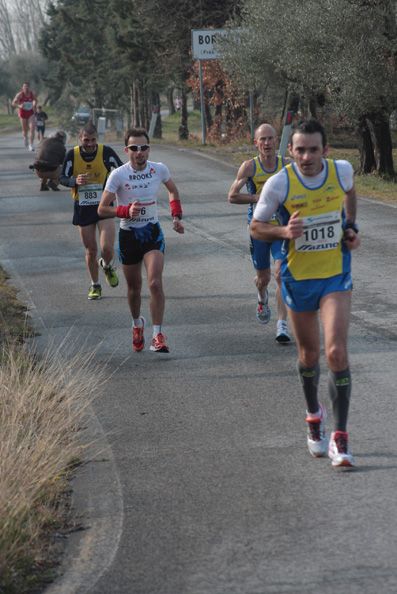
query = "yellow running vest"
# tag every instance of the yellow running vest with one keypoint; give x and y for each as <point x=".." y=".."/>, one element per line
<point x="258" y="180"/>
<point x="89" y="194"/>
<point x="318" y="253"/>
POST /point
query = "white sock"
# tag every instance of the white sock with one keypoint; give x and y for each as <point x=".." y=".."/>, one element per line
<point x="156" y="330"/>
<point x="138" y="323"/>
<point x="262" y="298"/>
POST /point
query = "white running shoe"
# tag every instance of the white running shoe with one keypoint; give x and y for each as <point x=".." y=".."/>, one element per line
<point x="31" y="148"/>
<point x="282" y="336"/>
<point x="263" y="312"/>
<point x="317" y="441"/>
<point x="338" y="450"/>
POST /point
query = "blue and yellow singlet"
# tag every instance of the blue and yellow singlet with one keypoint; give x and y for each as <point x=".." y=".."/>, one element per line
<point x="319" y="252"/>
<point x="256" y="182"/>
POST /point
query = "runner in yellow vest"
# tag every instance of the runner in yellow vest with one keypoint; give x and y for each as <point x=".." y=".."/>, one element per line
<point x="316" y="200"/>
<point x="85" y="171"/>
<point x="252" y="174"/>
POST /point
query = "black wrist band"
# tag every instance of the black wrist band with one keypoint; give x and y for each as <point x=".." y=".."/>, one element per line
<point x="351" y="225"/>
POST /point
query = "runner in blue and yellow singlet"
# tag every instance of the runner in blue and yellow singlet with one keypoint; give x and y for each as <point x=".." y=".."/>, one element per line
<point x="316" y="200"/>
<point x="253" y="174"/>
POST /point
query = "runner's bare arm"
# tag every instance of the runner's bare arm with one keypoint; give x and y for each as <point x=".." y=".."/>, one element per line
<point x="351" y="205"/>
<point x="267" y="232"/>
<point x="350" y="236"/>
<point x="175" y="206"/>
<point x="15" y="101"/>
<point x="235" y="196"/>
<point x="107" y="211"/>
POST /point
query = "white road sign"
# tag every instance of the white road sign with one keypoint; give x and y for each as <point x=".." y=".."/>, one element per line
<point x="204" y="43"/>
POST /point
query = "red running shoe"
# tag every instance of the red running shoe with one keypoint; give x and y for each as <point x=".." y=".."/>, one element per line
<point x="159" y="345"/>
<point x="138" y="338"/>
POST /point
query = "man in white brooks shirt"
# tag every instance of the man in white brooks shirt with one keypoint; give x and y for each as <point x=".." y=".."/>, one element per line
<point x="136" y="185"/>
<point x="317" y="205"/>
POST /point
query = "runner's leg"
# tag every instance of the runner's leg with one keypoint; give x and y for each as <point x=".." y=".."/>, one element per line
<point x="25" y="130"/>
<point x="335" y="314"/>
<point x="107" y="233"/>
<point x="154" y="264"/>
<point x="31" y="124"/>
<point x="133" y="277"/>
<point x="281" y="307"/>
<point x="88" y="237"/>
<point x="307" y="334"/>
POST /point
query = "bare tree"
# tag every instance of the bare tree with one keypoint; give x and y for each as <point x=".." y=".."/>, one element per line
<point x="7" y="41"/>
<point x="20" y="25"/>
<point x="29" y="18"/>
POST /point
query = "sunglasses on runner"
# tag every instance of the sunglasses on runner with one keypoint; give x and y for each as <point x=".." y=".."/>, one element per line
<point x="138" y="147"/>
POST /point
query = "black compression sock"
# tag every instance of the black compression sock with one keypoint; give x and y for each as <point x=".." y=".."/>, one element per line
<point x="309" y="377"/>
<point x="339" y="386"/>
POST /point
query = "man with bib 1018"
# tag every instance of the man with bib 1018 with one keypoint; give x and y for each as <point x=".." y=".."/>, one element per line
<point x="317" y="204"/>
<point x="85" y="171"/>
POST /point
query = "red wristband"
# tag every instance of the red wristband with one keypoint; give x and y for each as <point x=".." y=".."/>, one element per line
<point x="176" y="208"/>
<point x="123" y="212"/>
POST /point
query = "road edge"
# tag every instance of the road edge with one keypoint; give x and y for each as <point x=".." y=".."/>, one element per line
<point x="97" y="500"/>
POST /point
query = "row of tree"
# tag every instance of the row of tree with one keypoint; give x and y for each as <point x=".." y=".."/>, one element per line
<point x="325" y="55"/>
<point x="122" y="53"/>
<point x="339" y="52"/>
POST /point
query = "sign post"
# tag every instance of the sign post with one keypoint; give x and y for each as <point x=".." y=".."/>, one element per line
<point x="285" y="133"/>
<point x="204" y="48"/>
<point x="251" y="110"/>
<point x="202" y="106"/>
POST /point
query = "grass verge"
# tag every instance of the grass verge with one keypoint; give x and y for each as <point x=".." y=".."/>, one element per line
<point x="9" y="123"/>
<point x="43" y="401"/>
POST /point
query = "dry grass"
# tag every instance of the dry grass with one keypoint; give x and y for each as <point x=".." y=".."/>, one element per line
<point x="42" y="403"/>
<point x="14" y="322"/>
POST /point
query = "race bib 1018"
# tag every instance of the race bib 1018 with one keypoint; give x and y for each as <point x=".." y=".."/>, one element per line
<point x="320" y="232"/>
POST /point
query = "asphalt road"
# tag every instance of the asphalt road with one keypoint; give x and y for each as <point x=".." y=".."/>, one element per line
<point x="204" y="484"/>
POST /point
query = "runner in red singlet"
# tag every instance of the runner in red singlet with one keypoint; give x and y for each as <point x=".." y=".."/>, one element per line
<point x="26" y="102"/>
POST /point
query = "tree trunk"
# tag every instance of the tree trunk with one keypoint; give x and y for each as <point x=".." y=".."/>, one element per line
<point x="135" y="106"/>
<point x="284" y="108"/>
<point x="293" y="102"/>
<point x="183" y="131"/>
<point x="143" y="111"/>
<point x="156" y="109"/>
<point x="132" y="104"/>
<point x="366" y="147"/>
<point x="380" y="123"/>
<point x="313" y="106"/>
<point x="207" y="111"/>
<point x="170" y="101"/>
<point x="216" y="131"/>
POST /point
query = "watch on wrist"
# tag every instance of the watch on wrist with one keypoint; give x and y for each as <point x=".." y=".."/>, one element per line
<point x="351" y="225"/>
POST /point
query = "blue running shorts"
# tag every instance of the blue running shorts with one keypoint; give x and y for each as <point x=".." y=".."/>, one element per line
<point x="261" y="250"/>
<point x="305" y="295"/>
